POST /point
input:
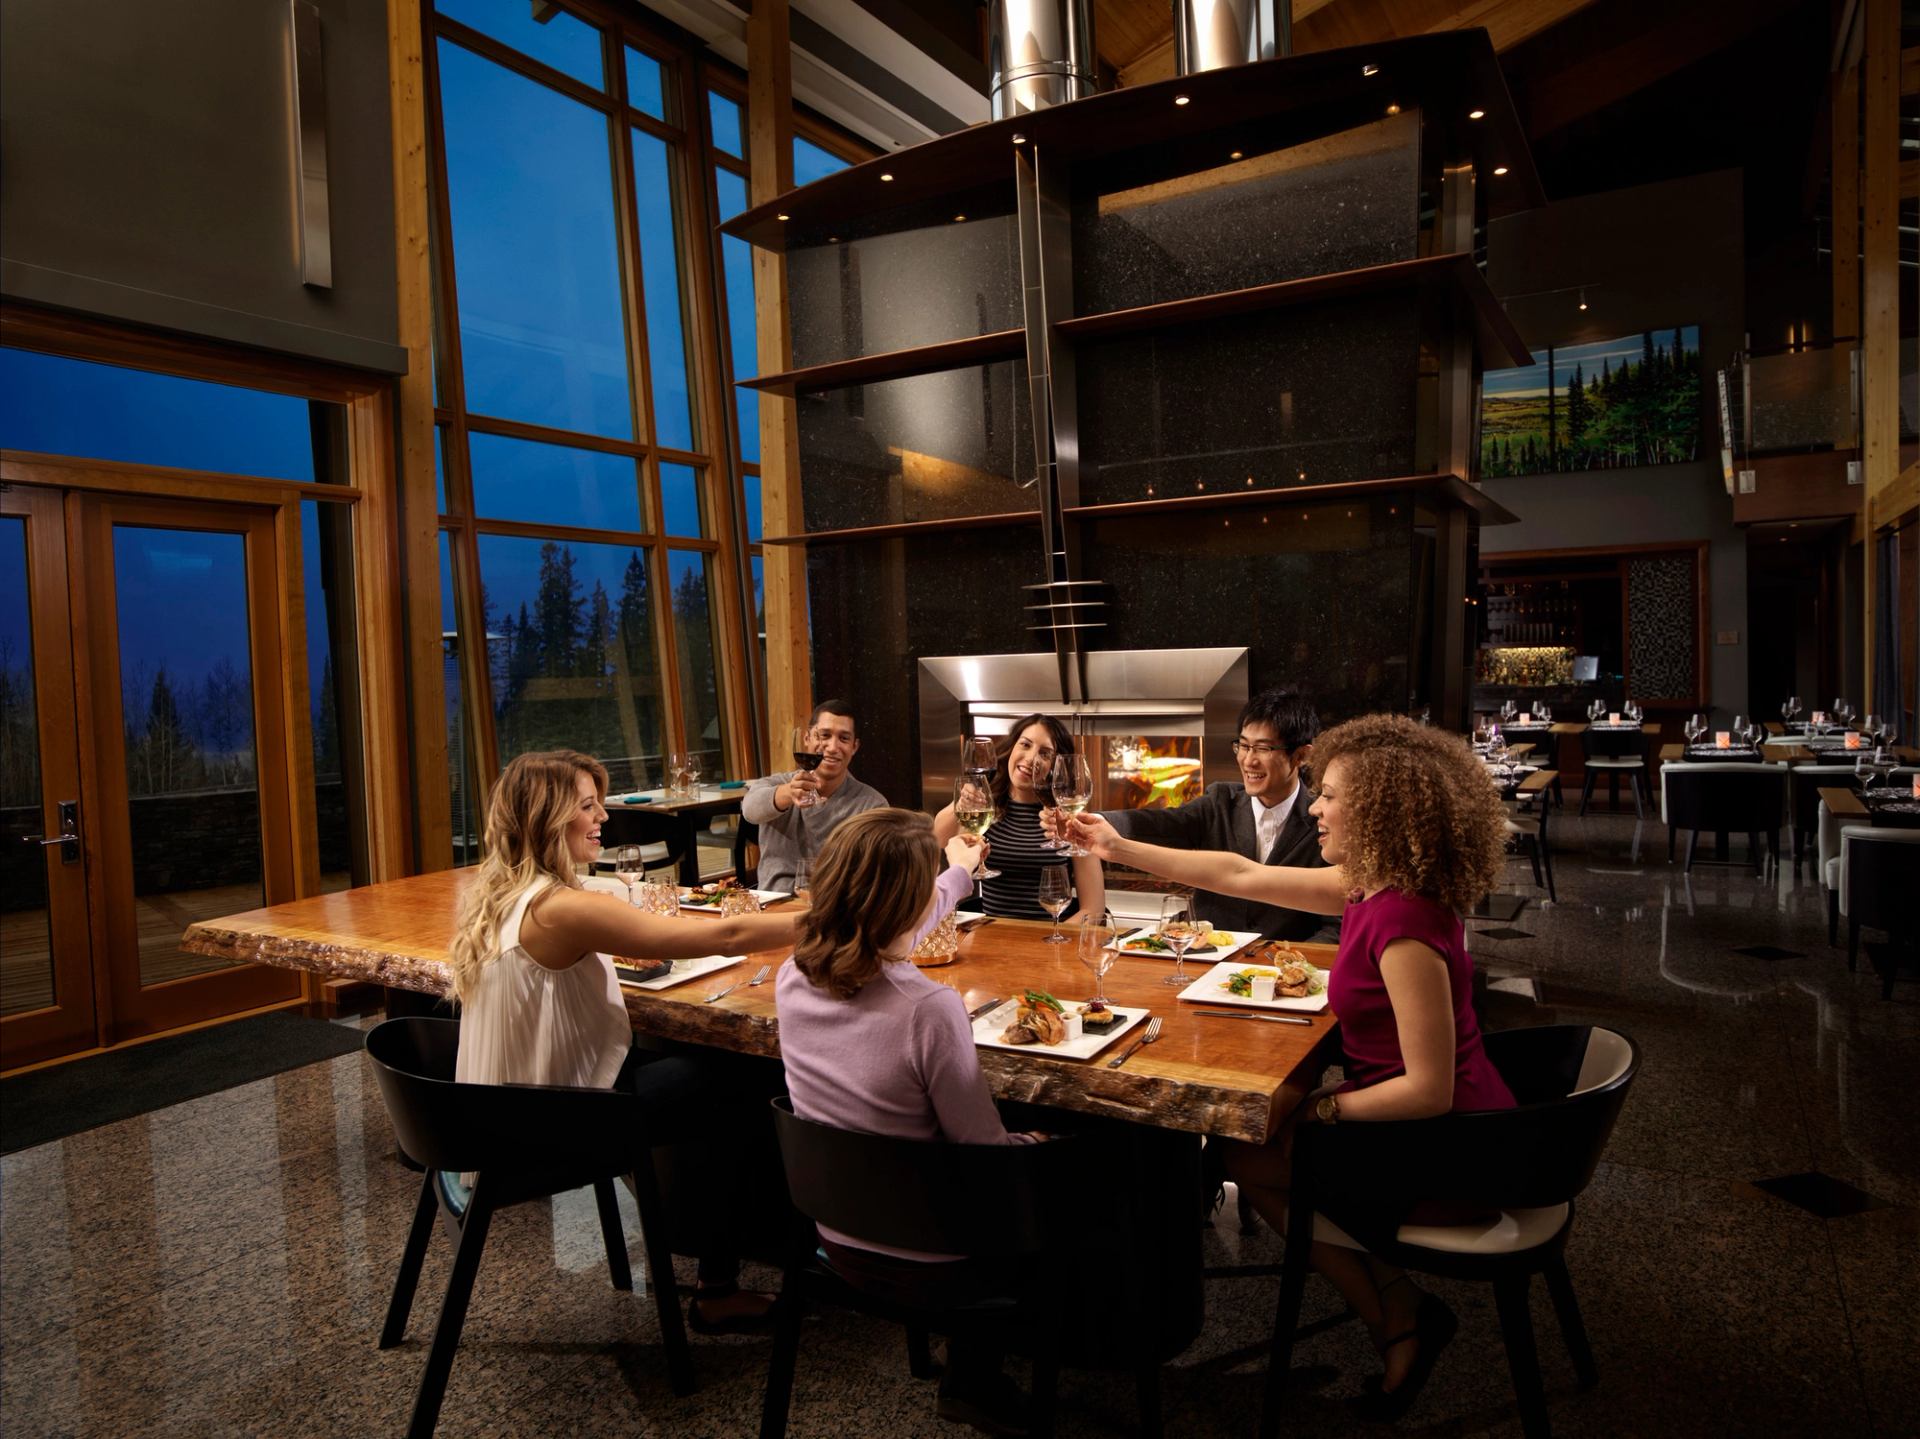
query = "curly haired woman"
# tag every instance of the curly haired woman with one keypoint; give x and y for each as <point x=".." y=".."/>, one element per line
<point x="1413" y="836"/>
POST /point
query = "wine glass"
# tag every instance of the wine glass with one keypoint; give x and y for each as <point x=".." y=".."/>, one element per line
<point x="1097" y="950"/>
<point x="1596" y="708"/>
<point x="1789" y="707"/>
<point x="806" y="757"/>
<point x="1843" y="711"/>
<point x="1072" y="783"/>
<point x="1508" y="709"/>
<point x="977" y="754"/>
<point x="803" y="877"/>
<point x="1695" y="726"/>
<point x="1870" y="729"/>
<point x="1056" y="893"/>
<point x="973" y="811"/>
<point x="676" y="774"/>
<point x="1632" y="712"/>
<point x="693" y="774"/>
<point x="627" y="867"/>
<point x="1179" y="931"/>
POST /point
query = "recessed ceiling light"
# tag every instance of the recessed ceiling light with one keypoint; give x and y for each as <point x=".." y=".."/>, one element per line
<point x="1019" y="139"/>
<point x="833" y="239"/>
<point x="886" y="177"/>
<point x="1237" y="154"/>
<point x="1499" y="169"/>
<point x="958" y="218"/>
<point x="1393" y="109"/>
<point x="1182" y="99"/>
<point x="1369" y="70"/>
<point x="1476" y="114"/>
<point x="779" y="217"/>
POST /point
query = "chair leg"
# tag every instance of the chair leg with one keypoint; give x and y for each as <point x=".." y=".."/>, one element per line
<point x="920" y="1354"/>
<point x="1833" y="917"/>
<point x="1546" y="860"/>
<point x="1533" y="858"/>
<point x="1671" y="833"/>
<point x="453" y="1316"/>
<point x="1586" y="792"/>
<point x="1286" y="1316"/>
<point x="1516" y="1327"/>
<point x="1639" y="804"/>
<point x="786" y="1351"/>
<point x="614" y="1233"/>
<point x="666" y="1294"/>
<point x="411" y="1258"/>
<point x="1573" y="1328"/>
<point x="1146" y="1388"/>
<point x="1249" y="1217"/>
<point x="1853" y="944"/>
<point x="1753" y="849"/>
<point x="1693" y="836"/>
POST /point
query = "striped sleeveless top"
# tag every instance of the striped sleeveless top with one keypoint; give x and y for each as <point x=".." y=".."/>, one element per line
<point x="1019" y="853"/>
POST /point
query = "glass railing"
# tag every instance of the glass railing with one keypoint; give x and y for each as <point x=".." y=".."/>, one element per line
<point x="1800" y="400"/>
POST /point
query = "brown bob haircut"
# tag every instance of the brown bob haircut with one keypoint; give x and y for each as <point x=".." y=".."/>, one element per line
<point x="871" y="882"/>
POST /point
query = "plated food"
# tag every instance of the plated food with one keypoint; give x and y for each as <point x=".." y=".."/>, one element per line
<point x="1038" y="1023"/>
<point x="1040" y="1019"/>
<point x="1215" y="942"/>
<point x="1298" y="984"/>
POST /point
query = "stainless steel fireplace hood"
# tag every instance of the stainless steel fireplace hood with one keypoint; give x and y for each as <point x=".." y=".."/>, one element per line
<point x="1196" y="692"/>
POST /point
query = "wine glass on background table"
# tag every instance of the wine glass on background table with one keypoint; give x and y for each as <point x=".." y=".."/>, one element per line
<point x="1178" y="929"/>
<point x="1099" y="934"/>
<point x="1072" y="783"/>
<point x="693" y="773"/>
<point x="1056" y="893"/>
<point x="973" y="811"/>
<point x="806" y="756"/>
<point x="1694" y="728"/>
<point x="1789" y="708"/>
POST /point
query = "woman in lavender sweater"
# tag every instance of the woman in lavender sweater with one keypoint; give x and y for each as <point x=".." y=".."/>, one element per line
<point x="871" y="1044"/>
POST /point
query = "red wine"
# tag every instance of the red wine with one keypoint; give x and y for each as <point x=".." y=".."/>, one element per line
<point x="806" y="761"/>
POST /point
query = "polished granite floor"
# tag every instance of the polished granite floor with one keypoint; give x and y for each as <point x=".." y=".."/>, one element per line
<point x="220" y="1268"/>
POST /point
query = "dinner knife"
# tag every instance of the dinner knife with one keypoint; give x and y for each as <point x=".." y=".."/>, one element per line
<point x="1241" y="1014"/>
<point x="968" y="925"/>
<point x="986" y="1008"/>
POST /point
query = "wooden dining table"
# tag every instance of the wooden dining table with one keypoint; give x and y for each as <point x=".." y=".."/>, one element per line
<point x="1236" y="1078"/>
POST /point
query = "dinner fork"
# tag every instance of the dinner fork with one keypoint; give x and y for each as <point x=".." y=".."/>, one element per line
<point x="1147" y="1036"/>
<point x="723" y="993"/>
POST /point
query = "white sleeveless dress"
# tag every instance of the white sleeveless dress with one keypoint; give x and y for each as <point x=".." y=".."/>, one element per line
<point x="527" y="1024"/>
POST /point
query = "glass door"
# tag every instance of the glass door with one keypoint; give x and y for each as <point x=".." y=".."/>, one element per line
<point x="46" y="970"/>
<point x="185" y="715"/>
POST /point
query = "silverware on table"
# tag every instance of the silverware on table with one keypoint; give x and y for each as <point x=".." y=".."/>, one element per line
<point x="761" y="977"/>
<point x="967" y="925"/>
<point x="1147" y="1036"/>
<point x="723" y="993"/>
<point x="985" y="1008"/>
<point x="1243" y="1014"/>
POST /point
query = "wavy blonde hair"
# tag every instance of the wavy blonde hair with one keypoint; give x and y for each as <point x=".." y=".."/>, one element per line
<point x="871" y="883"/>
<point x="533" y="801"/>
<point x="1421" y="816"/>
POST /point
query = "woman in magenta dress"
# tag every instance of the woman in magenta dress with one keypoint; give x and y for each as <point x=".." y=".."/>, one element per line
<point x="1414" y="836"/>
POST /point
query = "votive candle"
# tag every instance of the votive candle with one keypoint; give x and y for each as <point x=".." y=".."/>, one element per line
<point x="1723" y="739"/>
<point x="1853" y="739"/>
<point x="1614" y="717"/>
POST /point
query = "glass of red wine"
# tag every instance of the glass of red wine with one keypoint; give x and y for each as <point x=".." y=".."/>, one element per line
<point x="806" y="756"/>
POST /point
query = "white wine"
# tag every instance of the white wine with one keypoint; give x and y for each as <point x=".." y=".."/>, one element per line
<point x="975" y="822"/>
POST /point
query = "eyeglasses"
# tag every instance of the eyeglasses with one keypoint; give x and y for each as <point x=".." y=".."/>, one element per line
<point x="1257" y="751"/>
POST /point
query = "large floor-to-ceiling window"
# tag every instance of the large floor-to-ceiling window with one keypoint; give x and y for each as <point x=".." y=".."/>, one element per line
<point x="599" y="477"/>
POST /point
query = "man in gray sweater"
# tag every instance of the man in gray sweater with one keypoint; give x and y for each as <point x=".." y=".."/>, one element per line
<point x="796" y="812"/>
<point x="1263" y="818"/>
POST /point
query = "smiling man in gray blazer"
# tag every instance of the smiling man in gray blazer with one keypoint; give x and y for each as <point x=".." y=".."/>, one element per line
<point x="1264" y="817"/>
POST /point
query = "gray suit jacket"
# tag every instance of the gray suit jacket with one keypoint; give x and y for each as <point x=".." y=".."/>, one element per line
<point x="1222" y="818"/>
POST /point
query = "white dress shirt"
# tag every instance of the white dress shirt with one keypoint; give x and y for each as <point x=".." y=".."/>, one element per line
<point x="1267" y="820"/>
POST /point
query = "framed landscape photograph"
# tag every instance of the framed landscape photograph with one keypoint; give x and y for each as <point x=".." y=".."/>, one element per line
<point x="1603" y="405"/>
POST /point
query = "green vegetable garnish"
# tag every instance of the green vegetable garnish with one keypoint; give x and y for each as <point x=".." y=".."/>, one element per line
<point x="1036" y="997"/>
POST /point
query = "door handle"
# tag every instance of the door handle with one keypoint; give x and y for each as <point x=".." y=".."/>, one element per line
<point x="69" y="837"/>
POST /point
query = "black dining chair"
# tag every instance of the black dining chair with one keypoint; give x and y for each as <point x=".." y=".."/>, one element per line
<point x="746" y="851"/>
<point x="1012" y="1204"/>
<point x="1878" y="883"/>
<point x="1614" y="753"/>
<point x="520" y="1142"/>
<point x="1527" y="1165"/>
<point x="1804" y="783"/>
<point x="1749" y="799"/>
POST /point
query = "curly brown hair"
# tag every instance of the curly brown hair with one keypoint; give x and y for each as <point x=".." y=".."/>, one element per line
<point x="870" y="883"/>
<point x="1422" y="817"/>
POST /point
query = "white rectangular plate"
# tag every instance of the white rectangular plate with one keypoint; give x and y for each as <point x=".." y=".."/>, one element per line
<point x="765" y="896"/>
<point x="1211" y="988"/>
<point x="1226" y="942"/>
<point x="684" y="970"/>
<point x="986" y="1032"/>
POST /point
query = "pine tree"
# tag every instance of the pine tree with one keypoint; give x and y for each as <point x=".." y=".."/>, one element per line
<point x="557" y="611"/>
<point x="593" y="651"/>
<point x="1577" y="420"/>
<point x="326" y="726"/>
<point x="163" y="758"/>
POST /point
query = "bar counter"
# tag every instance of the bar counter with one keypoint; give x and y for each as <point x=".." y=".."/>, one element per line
<point x="1235" y="1078"/>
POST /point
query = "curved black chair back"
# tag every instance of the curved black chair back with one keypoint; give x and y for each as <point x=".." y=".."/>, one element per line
<point x="1733" y="798"/>
<point x="524" y="1128"/>
<point x="746" y="833"/>
<point x="1882" y="869"/>
<point x="941" y="1198"/>
<point x="1804" y="785"/>
<point x="1544" y="1152"/>
<point x="1612" y="743"/>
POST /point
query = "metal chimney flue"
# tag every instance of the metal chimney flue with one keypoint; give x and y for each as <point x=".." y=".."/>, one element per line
<point x="1039" y="53"/>
<point x="1213" y="34"/>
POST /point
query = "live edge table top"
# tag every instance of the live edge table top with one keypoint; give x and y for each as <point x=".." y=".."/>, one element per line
<point x="1236" y="1078"/>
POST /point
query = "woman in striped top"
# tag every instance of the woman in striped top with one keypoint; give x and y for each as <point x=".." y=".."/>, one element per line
<point x="1020" y="784"/>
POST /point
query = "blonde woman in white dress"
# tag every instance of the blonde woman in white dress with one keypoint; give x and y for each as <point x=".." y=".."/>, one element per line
<point x="536" y="991"/>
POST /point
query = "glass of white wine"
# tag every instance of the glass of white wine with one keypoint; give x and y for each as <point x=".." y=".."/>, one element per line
<point x="627" y="867"/>
<point x="1072" y="782"/>
<point x="1056" y="893"/>
<point x="1178" y="929"/>
<point x="973" y="811"/>
<point x="1097" y="949"/>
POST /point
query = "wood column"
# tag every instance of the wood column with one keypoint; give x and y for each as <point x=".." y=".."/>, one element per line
<point x="413" y="475"/>
<point x="1846" y="204"/>
<point x="1880" y="291"/>
<point x="784" y="567"/>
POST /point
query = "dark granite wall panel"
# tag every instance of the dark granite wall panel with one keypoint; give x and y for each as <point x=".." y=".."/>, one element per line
<point x="1321" y="595"/>
<point x="878" y="605"/>
<point x="1315" y="395"/>
<point x="896" y="291"/>
<point x="1348" y="201"/>
<point x="929" y="447"/>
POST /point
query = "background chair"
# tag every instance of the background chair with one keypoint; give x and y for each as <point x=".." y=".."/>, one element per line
<point x="1012" y="1204"/>
<point x="1614" y="753"/>
<point x="1724" y="799"/>
<point x="1528" y="1164"/>
<point x="520" y="1142"/>
<point x="746" y="852"/>
<point x="1527" y="832"/>
<point x="1804" y="783"/>
<point x="1879" y="888"/>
